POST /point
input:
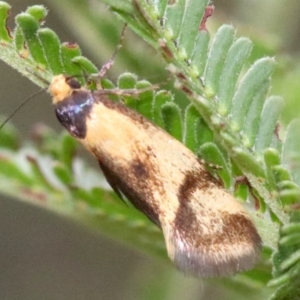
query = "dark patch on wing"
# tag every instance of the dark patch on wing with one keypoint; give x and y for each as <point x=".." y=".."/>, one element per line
<point x="234" y="227"/>
<point x="139" y="169"/>
<point x="214" y="254"/>
<point x="137" y="182"/>
<point x="195" y="179"/>
<point x="186" y="220"/>
<point x="73" y="112"/>
<point x="111" y="179"/>
<point x="205" y="243"/>
<point x="240" y="228"/>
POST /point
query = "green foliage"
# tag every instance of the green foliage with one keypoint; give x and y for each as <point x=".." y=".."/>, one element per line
<point x="287" y="262"/>
<point x="231" y="123"/>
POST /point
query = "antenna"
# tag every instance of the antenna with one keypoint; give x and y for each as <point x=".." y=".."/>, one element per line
<point x="20" y="106"/>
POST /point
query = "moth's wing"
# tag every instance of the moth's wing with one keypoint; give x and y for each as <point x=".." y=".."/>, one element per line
<point x="112" y="180"/>
<point x="207" y="232"/>
<point x="211" y="235"/>
<point x="119" y="184"/>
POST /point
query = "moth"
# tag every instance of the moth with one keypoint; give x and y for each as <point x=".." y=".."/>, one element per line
<point x="207" y="232"/>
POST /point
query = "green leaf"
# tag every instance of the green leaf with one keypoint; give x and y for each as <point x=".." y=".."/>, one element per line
<point x="160" y="99"/>
<point x="271" y="160"/>
<point x="68" y="53"/>
<point x="172" y="120"/>
<point x="174" y="18"/>
<point x="236" y="57"/>
<point x="145" y="99"/>
<point x="128" y="81"/>
<point x="245" y="160"/>
<point x="39" y="12"/>
<point x="193" y="13"/>
<point x="5" y="35"/>
<point x="199" y="57"/>
<point x="86" y="65"/>
<point x="211" y="154"/>
<point x="160" y="6"/>
<point x="257" y="76"/>
<point x="287" y="262"/>
<point x="191" y="119"/>
<point x="29" y="27"/>
<point x="252" y="119"/>
<point x="51" y="46"/>
<point x="291" y="150"/>
<point x="124" y="6"/>
<point x="216" y="59"/>
<point x="270" y="113"/>
<point x="203" y="133"/>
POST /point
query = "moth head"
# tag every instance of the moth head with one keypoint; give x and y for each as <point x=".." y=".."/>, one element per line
<point x="62" y="87"/>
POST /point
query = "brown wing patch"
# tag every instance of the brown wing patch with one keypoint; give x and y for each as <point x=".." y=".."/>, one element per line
<point x="234" y="248"/>
<point x="208" y="241"/>
<point x="195" y="179"/>
<point x="135" y="182"/>
<point x="111" y="179"/>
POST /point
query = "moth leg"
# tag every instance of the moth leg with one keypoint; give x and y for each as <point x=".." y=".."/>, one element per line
<point x="111" y="61"/>
<point x="127" y="92"/>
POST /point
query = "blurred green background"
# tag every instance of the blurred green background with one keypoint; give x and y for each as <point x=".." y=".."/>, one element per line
<point x="45" y="257"/>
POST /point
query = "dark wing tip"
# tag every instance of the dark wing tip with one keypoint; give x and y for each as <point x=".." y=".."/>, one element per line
<point x="233" y="249"/>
